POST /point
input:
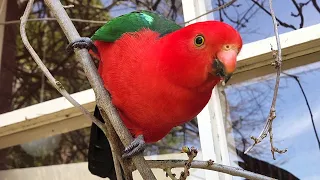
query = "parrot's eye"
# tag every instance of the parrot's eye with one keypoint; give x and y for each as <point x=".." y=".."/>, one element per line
<point x="199" y="40"/>
<point x="227" y="47"/>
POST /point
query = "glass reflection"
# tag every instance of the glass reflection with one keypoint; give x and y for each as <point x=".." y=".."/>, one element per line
<point x="26" y="84"/>
<point x="252" y="18"/>
<point x="249" y="104"/>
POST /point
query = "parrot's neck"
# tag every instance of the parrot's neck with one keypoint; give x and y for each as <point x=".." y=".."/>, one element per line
<point x="209" y="84"/>
<point x="184" y="68"/>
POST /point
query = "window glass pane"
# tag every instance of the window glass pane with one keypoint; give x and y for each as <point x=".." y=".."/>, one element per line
<point x="248" y="106"/>
<point x="184" y="135"/>
<point x="21" y="82"/>
<point x="252" y="20"/>
<point x="59" y="149"/>
<point x="72" y="147"/>
<point x="26" y="85"/>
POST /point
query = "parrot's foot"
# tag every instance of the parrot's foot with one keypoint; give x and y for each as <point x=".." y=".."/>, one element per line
<point x="136" y="146"/>
<point x="83" y="42"/>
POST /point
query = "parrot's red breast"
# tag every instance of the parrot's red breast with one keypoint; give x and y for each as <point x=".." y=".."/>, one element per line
<point x="157" y="83"/>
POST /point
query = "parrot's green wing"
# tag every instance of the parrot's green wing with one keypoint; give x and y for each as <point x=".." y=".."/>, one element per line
<point x="133" y="22"/>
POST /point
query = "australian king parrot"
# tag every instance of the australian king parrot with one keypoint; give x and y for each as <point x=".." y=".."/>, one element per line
<point x="159" y="75"/>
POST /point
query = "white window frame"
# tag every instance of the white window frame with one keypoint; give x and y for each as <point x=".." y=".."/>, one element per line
<point x="210" y="120"/>
<point x="300" y="47"/>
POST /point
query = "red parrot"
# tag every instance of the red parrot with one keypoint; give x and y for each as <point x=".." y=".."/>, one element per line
<point x="159" y="75"/>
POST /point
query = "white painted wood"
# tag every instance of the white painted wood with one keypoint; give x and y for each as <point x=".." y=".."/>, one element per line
<point x="76" y="171"/>
<point x="45" y="108"/>
<point x="218" y="131"/>
<point x="79" y="171"/>
<point x="44" y="119"/>
<point x="299" y="47"/>
<point x="287" y="40"/>
<point x="211" y="139"/>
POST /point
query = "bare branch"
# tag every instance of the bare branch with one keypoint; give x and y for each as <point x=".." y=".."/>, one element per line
<point x="213" y="10"/>
<point x="192" y="153"/>
<point x="102" y="96"/>
<point x="299" y="8"/>
<point x="170" y="174"/>
<point x="167" y="165"/>
<point x="47" y="73"/>
<point x="54" y="19"/>
<point x="272" y="114"/>
<point x="315" y="4"/>
<point x="208" y="165"/>
<point x="280" y="22"/>
<point x="68" y="6"/>
<point x="2" y="6"/>
<point x="57" y="84"/>
<point x="103" y="22"/>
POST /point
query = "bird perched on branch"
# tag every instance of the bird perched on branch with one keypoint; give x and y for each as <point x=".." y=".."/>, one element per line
<point x="159" y="74"/>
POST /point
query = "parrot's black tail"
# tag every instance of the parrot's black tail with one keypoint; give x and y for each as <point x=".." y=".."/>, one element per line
<point x="100" y="161"/>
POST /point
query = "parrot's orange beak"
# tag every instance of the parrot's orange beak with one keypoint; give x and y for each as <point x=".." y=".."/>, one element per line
<point x="225" y="64"/>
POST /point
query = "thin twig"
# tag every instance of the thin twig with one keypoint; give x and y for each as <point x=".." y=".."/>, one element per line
<point x="103" y="22"/>
<point x="211" y="11"/>
<point x="56" y="83"/>
<point x="2" y="6"/>
<point x="208" y="165"/>
<point x="282" y="23"/>
<point x="307" y="103"/>
<point x="272" y="114"/>
<point x="170" y="174"/>
<point x="47" y="73"/>
<point x="102" y="96"/>
<point x="192" y="153"/>
<point x="115" y="145"/>
<point x="167" y="165"/>
<point x="299" y="7"/>
<point x="53" y="19"/>
<point x="315" y="4"/>
<point x="59" y="86"/>
<point x="68" y="6"/>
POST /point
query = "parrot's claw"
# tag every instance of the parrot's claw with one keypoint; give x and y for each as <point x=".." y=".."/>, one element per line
<point x="137" y="145"/>
<point x="81" y="43"/>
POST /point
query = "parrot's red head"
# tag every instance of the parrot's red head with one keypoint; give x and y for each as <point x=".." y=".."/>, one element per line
<point x="201" y="52"/>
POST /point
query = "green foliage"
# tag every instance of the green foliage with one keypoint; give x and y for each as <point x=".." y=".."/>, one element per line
<point x="49" y="42"/>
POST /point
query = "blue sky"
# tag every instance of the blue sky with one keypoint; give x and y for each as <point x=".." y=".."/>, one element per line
<point x="260" y="25"/>
<point x="292" y="128"/>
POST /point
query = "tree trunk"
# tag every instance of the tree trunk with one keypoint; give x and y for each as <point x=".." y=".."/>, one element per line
<point x="8" y="61"/>
<point x="8" y="64"/>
